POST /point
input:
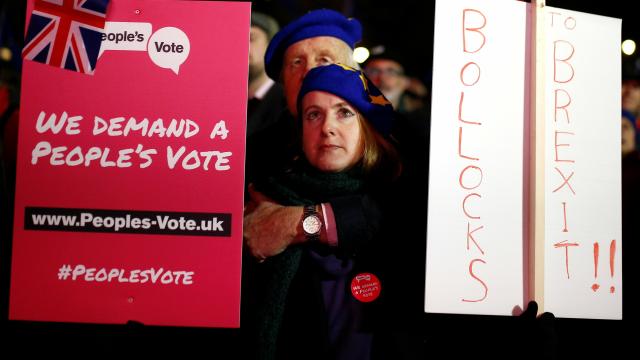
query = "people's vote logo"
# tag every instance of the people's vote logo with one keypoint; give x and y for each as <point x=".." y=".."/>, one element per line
<point x="168" y="47"/>
<point x="365" y="287"/>
<point x="131" y="36"/>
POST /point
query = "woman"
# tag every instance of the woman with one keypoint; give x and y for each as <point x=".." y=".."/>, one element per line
<point x="309" y="309"/>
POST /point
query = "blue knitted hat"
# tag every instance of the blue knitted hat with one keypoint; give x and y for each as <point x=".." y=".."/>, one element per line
<point x="355" y="88"/>
<point x="315" y="23"/>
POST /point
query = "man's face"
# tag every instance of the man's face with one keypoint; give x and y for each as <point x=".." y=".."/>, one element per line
<point x="631" y="97"/>
<point x="628" y="136"/>
<point x="304" y="56"/>
<point x="388" y="76"/>
<point x="258" y="42"/>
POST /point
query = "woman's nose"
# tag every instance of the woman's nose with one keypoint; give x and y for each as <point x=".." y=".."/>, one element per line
<point x="328" y="126"/>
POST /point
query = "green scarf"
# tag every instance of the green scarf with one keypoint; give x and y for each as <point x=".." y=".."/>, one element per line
<point x="302" y="185"/>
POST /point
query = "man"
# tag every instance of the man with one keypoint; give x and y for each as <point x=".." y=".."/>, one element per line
<point x="320" y="37"/>
<point x="412" y="125"/>
<point x="265" y="96"/>
<point x="387" y="73"/>
<point x="631" y="96"/>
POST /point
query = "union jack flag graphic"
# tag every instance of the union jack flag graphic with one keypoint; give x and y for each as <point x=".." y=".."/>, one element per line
<point x="66" y="33"/>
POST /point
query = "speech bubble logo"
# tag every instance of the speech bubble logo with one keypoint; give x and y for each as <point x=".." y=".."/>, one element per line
<point x="132" y="36"/>
<point x="168" y="48"/>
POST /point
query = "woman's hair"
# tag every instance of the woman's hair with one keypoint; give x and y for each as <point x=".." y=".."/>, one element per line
<point x="380" y="159"/>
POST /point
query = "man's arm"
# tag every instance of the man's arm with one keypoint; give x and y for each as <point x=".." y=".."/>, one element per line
<point x="269" y="228"/>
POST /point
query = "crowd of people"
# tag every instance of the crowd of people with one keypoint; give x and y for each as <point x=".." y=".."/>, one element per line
<point x="343" y="196"/>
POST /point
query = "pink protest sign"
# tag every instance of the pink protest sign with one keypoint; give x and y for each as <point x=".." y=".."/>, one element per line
<point x="129" y="194"/>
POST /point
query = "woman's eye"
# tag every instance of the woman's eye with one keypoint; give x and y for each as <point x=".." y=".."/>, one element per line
<point x="312" y="115"/>
<point x="345" y="113"/>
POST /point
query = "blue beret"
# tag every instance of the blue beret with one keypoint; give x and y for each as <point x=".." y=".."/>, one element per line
<point x="355" y="88"/>
<point x="315" y="23"/>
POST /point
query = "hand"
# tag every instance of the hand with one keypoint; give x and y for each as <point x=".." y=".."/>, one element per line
<point x="531" y="313"/>
<point x="540" y="330"/>
<point x="269" y="228"/>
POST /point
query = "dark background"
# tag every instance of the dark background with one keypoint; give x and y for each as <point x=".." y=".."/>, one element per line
<point x="405" y="27"/>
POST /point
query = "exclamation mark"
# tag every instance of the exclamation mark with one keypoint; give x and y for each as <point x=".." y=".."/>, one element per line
<point x="596" y="252"/>
<point x="612" y="257"/>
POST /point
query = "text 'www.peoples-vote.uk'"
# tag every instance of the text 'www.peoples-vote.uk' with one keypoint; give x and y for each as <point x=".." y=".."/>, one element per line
<point x="127" y="221"/>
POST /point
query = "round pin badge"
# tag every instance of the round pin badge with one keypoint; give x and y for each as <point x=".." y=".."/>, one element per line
<point x="365" y="287"/>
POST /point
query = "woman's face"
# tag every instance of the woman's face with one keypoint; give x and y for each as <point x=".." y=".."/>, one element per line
<point x="331" y="134"/>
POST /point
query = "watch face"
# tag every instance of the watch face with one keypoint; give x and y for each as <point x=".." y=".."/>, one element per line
<point x="311" y="225"/>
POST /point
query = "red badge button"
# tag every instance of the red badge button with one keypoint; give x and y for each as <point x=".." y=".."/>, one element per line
<point x="365" y="287"/>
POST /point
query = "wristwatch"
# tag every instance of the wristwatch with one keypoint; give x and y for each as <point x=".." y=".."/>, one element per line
<point x="311" y="223"/>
